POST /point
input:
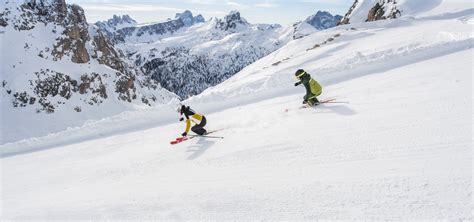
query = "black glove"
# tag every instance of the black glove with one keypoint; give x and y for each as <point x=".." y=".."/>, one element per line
<point x="181" y="119"/>
<point x="184" y="134"/>
<point x="297" y="84"/>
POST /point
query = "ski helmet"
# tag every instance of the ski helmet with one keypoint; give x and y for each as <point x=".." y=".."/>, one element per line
<point x="181" y="109"/>
<point x="299" y="73"/>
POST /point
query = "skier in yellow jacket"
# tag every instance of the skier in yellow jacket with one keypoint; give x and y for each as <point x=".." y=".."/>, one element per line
<point x="313" y="88"/>
<point x="191" y="116"/>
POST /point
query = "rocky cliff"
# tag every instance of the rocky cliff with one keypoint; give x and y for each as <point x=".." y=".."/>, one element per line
<point x="371" y="10"/>
<point x="59" y="60"/>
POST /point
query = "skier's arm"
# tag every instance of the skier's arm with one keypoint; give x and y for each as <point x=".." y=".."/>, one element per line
<point x="188" y="126"/>
<point x="298" y="83"/>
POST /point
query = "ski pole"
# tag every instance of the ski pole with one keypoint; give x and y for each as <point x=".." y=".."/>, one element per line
<point x="217" y="137"/>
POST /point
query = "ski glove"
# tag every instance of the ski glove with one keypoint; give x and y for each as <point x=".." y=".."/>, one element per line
<point x="181" y="119"/>
<point x="184" y="134"/>
<point x="297" y="84"/>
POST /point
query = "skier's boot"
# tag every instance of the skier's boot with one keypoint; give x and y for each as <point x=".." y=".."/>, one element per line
<point x="313" y="101"/>
<point x="316" y="101"/>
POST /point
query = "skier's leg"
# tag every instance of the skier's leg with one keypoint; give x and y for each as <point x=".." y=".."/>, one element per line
<point x="313" y="101"/>
<point x="199" y="129"/>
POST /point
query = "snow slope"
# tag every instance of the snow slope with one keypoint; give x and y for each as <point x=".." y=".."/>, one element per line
<point x="342" y="53"/>
<point x="397" y="151"/>
<point x="401" y="149"/>
<point x="408" y="8"/>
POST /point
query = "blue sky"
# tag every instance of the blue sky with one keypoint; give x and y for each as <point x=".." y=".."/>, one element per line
<point x="283" y="12"/>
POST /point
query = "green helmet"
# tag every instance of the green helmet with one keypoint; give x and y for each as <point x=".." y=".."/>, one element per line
<point x="299" y="73"/>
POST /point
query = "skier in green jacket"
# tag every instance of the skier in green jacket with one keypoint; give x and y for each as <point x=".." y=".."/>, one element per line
<point x="313" y="88"/>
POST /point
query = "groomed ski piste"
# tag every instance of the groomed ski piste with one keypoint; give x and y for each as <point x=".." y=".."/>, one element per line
<point x="400" y="149"/>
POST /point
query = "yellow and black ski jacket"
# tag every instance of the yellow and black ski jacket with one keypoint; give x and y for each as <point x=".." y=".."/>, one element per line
<point x="313" y="88"/>
<point x="191" y="116"/>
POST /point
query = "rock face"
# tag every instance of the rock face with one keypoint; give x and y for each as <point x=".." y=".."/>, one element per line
<point x="231" y="21"/>
<point x="132" y="32"/>
<point x="76" y="36"/>
<point x="371" y="10"/>
<point x="70" y="17"/>
<point x="302" y="29"/>
<point x="323" y="20"/>
<point x="187" y="18"/>
<point x="345" y="19"/>
<point x="383" y="10"/>
<point x="115" y="23"/>
<point x="163" y="28"/>
<point x="61" y="58"/>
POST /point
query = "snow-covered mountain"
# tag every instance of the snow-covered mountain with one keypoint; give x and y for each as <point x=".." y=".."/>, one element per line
<point x="143" y="33"/>
<point x="323" y="20"/>
<point x="187" y="55"/>
<point x="397" y="146"/>
<point x="53" y="61"/>
<point x="188" y="18"/>
<point x="115" y="23"/>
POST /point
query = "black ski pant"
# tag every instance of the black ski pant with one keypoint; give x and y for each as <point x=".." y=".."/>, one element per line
<point x="199" y="128"/>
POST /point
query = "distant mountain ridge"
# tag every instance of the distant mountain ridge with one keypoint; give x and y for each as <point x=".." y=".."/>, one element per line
<point x="323" y="20"/>
<point x="188" y="18"/>
<point x="115" y="23"/>
<point x="188" y="54"/>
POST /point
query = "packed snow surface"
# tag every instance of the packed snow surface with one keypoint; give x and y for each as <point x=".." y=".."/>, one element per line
<point x="399" y="149"/>
<point x="412" y="8"/>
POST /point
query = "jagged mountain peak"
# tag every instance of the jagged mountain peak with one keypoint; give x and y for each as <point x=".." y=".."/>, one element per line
<point x="323" y="20"/>
<point x="115" y="23"/>
<point x="323" y="13"/>
<point x="188" y="18"/>
<point x="234" y="16"/>
<point x="231" y="21"/>
<point x="199" y="18"/>
<point x="117" y="19"/>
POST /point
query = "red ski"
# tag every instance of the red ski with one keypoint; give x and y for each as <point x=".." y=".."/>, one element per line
<point x="179" y="140"/>
<point x="191" y="136"/>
